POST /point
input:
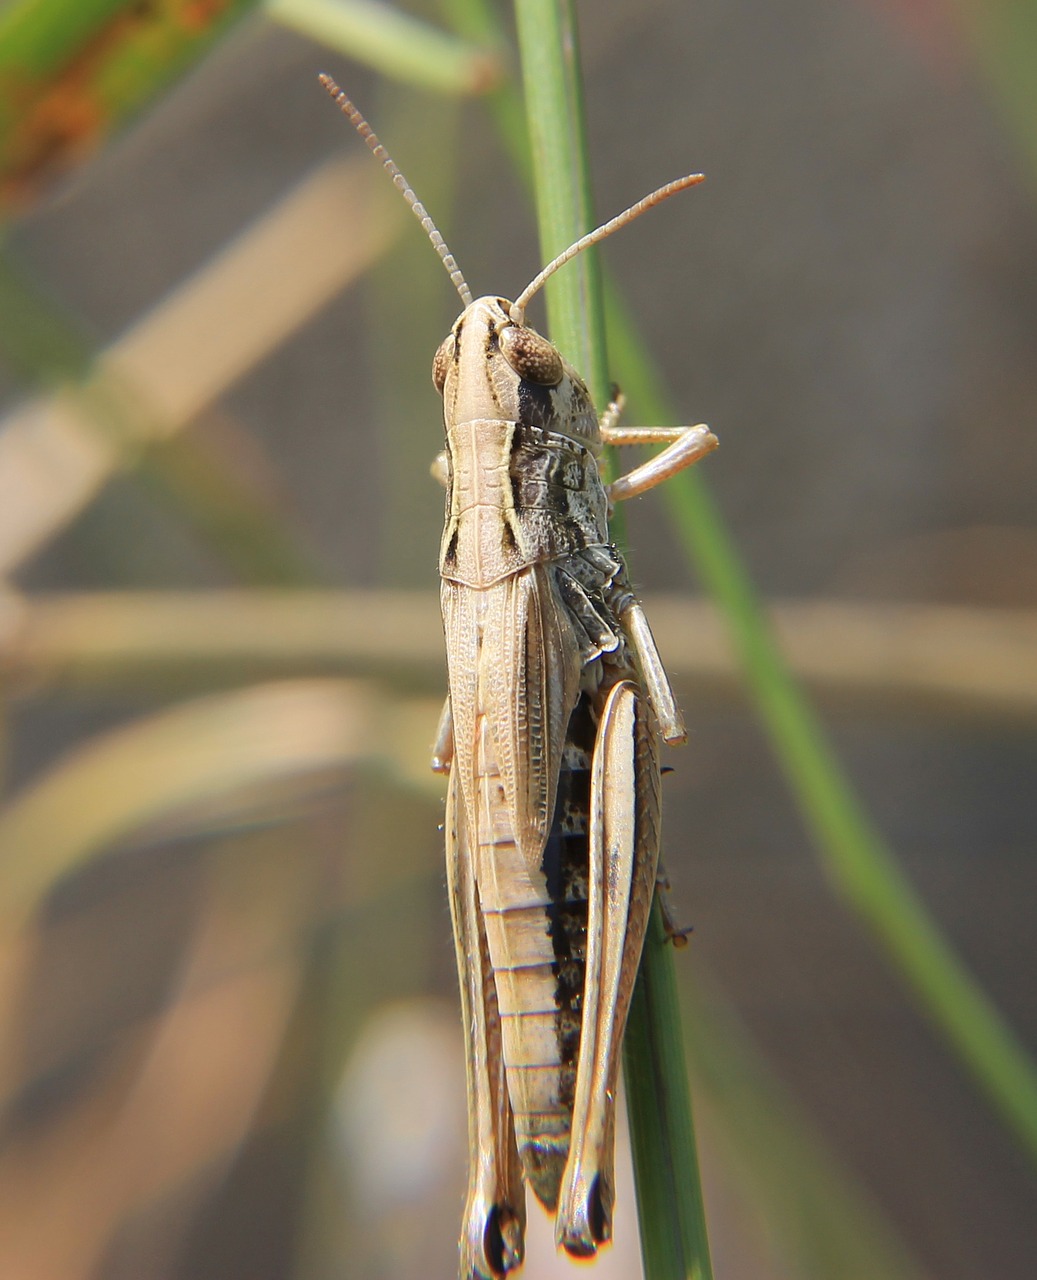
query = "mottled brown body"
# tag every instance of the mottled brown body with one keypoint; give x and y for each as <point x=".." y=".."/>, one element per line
<point x="557" y="701"/>
<point x="554" y="781"/>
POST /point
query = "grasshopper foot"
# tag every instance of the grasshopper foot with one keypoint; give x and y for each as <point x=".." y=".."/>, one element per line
<point x="676" y="933"/>
<point x="585" y="1218"/>
<point x="491" y="1242"/>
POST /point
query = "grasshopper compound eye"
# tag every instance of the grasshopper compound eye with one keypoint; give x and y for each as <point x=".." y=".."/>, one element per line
<point x="441" y="362"/>
<point x="531" y="356"/>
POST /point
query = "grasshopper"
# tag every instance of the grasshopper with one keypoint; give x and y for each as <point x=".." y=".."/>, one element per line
<point x="557" y="701"/>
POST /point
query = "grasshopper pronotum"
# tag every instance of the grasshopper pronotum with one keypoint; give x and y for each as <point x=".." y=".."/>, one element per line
<point x="550" y="735"/>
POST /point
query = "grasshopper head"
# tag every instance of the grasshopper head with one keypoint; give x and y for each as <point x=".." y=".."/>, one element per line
<point x="491" y="366"/>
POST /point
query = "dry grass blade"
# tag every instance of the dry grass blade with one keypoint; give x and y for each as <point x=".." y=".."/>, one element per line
<point x="57" y="450"/>
<point x="945" y="660"/>
<point x="189" y="755"/>
<point x="176" y="1099"/>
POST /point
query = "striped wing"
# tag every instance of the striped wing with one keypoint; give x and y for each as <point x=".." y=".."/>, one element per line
<point x="513" y="657"/>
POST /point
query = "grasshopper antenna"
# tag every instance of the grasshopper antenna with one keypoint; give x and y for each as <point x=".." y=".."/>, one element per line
<point x="402" y="185"/>
<point x="518" y="307"/>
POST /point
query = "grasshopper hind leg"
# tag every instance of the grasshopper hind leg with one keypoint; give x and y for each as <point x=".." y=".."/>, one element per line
<point x="624" y="845"/>
<point x="494" y="1220"/>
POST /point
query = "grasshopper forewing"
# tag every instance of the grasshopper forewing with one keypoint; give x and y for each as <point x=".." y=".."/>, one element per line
<point x="558" y="699"/>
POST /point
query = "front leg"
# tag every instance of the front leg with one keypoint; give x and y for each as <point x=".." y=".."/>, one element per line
<point x="443" y="747"/>
<point x="686" y="446"/>
<point x="440" y="469"/>
<point x="495" y="1209"/>
<point x="623" y="839"/>
<point x="650" y="666"/>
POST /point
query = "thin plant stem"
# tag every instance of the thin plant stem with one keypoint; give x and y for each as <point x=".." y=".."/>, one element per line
<point x="673" y="1231"/>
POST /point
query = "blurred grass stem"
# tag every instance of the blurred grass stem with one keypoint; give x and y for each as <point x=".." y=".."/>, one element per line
<point x="395" y="43"/>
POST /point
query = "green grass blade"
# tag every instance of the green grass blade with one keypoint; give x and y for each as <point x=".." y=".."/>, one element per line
<point x="393" y="42"/>
<point x="1003" y="39"/>
<point x="670" y="1209"/>
<point x="72" y="71"/>
<point x="673" y="1233"/>
<point x="554" y="112"/>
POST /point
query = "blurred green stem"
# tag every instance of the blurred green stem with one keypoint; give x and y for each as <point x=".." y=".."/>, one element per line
<point x="673" y="1231"/>
<point x="397" y="44"/>
<point x="1003" y="36"/>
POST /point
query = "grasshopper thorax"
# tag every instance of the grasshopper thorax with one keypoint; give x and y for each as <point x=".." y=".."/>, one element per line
<point x="492" y="366"/>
